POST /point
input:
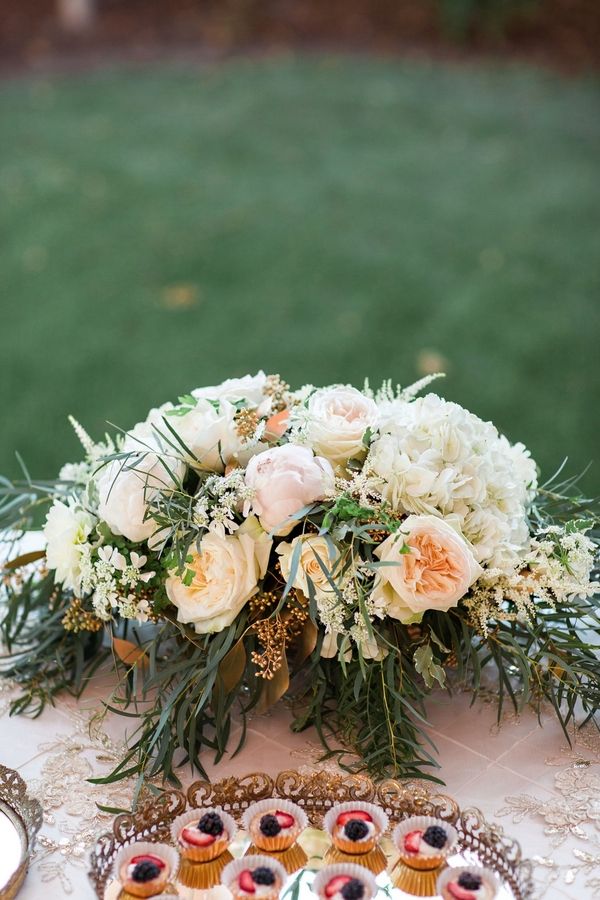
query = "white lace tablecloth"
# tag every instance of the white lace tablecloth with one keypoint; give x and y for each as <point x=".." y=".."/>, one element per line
<point x="520" y="775"/>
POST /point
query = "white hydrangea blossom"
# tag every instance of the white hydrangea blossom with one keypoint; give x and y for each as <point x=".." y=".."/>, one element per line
<point x="434" y="457"/>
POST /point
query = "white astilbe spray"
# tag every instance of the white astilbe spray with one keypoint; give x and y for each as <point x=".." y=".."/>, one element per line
<point x="556" y="570"/>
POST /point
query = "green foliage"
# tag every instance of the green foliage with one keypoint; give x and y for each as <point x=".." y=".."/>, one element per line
<point x="418" y="207"/>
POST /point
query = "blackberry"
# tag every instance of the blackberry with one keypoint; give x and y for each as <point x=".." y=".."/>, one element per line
<point x="353" y="890"/>
<point x="145" y="871"/>
<point x="269" y="826"/>
<point x="356" y="829"/>
<point x="469" y="882"/>
<point x="262" y="875"/>
<point x="211" y="823"/>
<point x="435" y="836"/>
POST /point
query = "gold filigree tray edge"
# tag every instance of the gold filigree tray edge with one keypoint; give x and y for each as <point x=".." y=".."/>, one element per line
<point x="316" y="792"/>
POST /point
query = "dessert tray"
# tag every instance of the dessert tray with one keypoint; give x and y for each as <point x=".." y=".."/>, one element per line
<point x="478" y="843"/>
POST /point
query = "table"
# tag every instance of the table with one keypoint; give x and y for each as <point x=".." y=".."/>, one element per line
<point x="520" y="775"/>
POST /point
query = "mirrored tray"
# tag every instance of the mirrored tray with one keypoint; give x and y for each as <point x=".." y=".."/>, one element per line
<point x="20" y="821"/>
<point x="479" y="842"/>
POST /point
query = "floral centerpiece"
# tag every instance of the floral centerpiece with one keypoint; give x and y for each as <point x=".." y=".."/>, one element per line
<point x="348" y="549"/>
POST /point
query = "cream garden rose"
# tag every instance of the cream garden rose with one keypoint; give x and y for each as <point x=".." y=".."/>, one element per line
<point x="225" y="575"/>
<point x="335" y="422"/>
<point x="434" y="567"/>
<point x="313" y="547"/>
<point x="66" y="533"/>
<point x="284" y="480"/>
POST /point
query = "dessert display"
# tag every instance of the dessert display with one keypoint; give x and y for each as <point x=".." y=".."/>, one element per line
<point x="468" y="883"/>
<point x="424" y="842"/>
<point x="203" y="835"/>
<point x="254" y="877"/>
<point x="274" y="825"/>
<point x="355" y="828"/>
<point x="145" y="869"/>
<point x="344" y="881"/>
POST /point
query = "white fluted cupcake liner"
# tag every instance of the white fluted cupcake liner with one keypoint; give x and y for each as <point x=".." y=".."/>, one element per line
<point x="212" y="851"/>
<point x="422" y="823"/>
<point x="169" y="854"/>
<point x="380" y="820"/>
<point x="234" y="869"/>
<point x="352" y="870"/>
<point x="451" y="873"/>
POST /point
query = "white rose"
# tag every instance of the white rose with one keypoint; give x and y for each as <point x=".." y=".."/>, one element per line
<point x="284" y="480"/>
<point x="313" y="548"/>
<point x="335" y="422"/>
<point x="226" y="575"/>
<point x="126" y="486"/>
<point x="250" y="388"/>
<point x="210" y="433"/>
<point x="438" y="569"/>
<point x="66" y="532"/>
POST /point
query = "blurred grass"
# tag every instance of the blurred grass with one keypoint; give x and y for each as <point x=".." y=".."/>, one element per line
<point x="325" y="218"/>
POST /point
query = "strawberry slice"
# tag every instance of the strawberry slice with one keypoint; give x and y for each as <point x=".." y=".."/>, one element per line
<point x="196" y="837"/>
<point x="336" y="884"/>
<point x="147" y="857"/>
<point x="353" y="814"/>
<point x="284" y="819"/>
<point x="412" y="841"/>
<point x="246" y="882"/>
<point x="459" y="892"/>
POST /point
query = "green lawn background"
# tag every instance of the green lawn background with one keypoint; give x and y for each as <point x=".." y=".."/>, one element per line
<point x="324" y="218"/>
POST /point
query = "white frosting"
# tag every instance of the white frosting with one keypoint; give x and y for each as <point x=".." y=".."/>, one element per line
<point x="482" y="893"/>
<point x="261" y="890"/>
<point x="163" y="872"/>
<point x="185" y="843"/>
<point x="426" y="849"/>
<point x="368" y="836"/>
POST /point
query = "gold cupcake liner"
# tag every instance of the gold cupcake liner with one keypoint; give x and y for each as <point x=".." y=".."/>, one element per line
<point x="202" y="875"/>
<point x="167" y="889"/>
<point x="292" y="858"/>
<point x="354" y="848"/>
<point x="276" y="844"/>
<point x="422" y="863"/>
<point x="418" y="882"/>
<point x="375" y="861"/>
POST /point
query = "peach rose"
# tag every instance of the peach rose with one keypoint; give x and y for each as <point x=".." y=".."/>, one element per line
<point x="285" y="479"/>
<point x="435" y="567"/>
<point x="225" y="575"/>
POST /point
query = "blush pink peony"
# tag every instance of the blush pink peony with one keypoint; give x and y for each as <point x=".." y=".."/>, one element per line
<point x="284" y="480"/>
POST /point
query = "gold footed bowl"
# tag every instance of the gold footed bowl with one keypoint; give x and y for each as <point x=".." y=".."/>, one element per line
<point x="375" y="860"/>
<point x="418" y="882"/>
<point x="292" y="859"/>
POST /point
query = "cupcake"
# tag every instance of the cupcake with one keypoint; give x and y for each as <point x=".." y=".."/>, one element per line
<point x="254" y="876"/>
<point x="468" y="883"/>
<point x="424" y="842"/>
<point x="344" y="881"/>
<point x="274" y="825"/>
<point x="145" y="869"/>
<point x="203" y="834"/>
<point x="355" y="828"/>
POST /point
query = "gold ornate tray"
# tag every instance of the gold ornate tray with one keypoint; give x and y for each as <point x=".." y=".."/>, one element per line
<point x="479" y="842"/>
